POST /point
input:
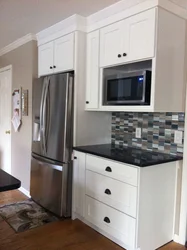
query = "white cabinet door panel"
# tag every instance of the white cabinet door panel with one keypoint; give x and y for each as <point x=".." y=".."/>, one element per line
<point x="142" y="35"/>
<point x="92" y="72"/>
<point x="113" y="222"/>
<point x="79" y="183"/>
<point x="112" y="169"/>
<point x="110" y="44"/>
<point x="64" y="53"/>
<point x="45" y="54"/>
<point x="116" y="194"/>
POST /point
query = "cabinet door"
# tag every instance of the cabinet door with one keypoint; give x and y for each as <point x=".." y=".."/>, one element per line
<point x="111" y="44"/>
<point x="45" y="54"/>
<point x="92" y="79"/>
<point x="64" y="53"/>
<point x="79" y="183"/>
<point x="141" y="35"/>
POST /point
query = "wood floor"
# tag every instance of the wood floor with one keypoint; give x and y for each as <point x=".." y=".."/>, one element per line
<point x="61" y="235"/>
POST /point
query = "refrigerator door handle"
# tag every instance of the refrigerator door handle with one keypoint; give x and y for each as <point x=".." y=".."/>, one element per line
<point x="41" y="116"/>
<point x="53" y="164"/>
<point x="44" y="115"/>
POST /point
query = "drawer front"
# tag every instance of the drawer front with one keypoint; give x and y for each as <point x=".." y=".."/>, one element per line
<point x="118" y="171"/>
<point x="113" y="222"/>
<point x="114" y="193"/>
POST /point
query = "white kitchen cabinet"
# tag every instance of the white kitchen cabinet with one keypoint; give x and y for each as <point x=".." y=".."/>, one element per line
<point x="155" y="35"/>
<point x="92" y="71"/>
<point x="64" y="53"/>
<point x="56" y="56"/>
<point x="111" y="221"/>
<point x="79" y="166"/>
<point x="128" y="40"/>
<point x="142" y="35"/>
<point x="45" y="56"/>
<point x="128" y="207"/>
<point x="111" y="44"/>
<point x="112" y="192"/>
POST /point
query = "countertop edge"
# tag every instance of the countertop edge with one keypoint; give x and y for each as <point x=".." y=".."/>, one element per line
<point x="178" y="158"/>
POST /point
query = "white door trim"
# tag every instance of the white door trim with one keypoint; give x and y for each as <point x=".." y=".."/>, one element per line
<point x="7" y="68"/>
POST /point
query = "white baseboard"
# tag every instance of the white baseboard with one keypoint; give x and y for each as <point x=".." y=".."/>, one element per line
<point x="24" y="191"/>
<point x="177" y="239"/>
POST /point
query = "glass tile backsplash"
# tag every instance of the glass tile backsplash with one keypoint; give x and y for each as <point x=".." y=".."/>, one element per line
<point x="157" y="131"/>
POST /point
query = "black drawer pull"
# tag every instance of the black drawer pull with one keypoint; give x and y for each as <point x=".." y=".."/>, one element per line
<point x="107" y="220"/>
<point x="75" y="158"/>
<point x="107" y="191"/>
<point x="124" y="54"/>
<point x="108" y="169"/>
<point x="119" y="55"/>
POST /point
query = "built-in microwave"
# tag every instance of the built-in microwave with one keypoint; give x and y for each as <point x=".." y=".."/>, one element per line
<point x="132" y="88"/>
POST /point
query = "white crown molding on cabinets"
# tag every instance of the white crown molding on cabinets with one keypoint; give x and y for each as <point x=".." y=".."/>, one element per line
<point x="124" y="9"/>
<point x="21" y="41"/>
<point x="69" y="25"/>
<point x="117" y="12"/>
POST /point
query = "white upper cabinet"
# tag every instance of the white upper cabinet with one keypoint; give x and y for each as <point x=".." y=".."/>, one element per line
<point x="92" y="72"/>
<point x="128" y="40"/>
<point x="57" y="56"/>
<point x="64" y="53"/>
<point x="111" y="44"/>
<point x="45" y="54"/>
<point x="142" y="35"/>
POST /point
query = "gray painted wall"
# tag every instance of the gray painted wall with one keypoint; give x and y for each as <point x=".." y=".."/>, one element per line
<point x="24" y="69"/>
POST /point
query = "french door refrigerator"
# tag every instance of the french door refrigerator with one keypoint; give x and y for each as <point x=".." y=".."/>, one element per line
<point x="51" y="168"/>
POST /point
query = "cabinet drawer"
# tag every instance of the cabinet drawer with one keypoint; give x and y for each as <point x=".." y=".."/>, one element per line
<point x="114" y="193"/>
<point x="113" y="222"/>
<point x="121" y="172"/>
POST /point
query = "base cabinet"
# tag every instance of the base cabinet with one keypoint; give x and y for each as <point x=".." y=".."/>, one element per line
<point x="78" y="195"/>
<point x="136" y="214"/>
<point x="115" y="223"/>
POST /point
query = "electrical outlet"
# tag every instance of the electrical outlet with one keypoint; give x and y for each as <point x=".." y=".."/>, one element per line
<point x="178" y="137"/>
<point x="138" y="132"/>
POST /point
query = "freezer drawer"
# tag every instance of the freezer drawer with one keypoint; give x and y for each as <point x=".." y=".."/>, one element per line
<point x="49" y="185"/>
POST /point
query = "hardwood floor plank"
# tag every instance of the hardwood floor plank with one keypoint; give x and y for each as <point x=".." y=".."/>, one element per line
<point x="60" y="235"/>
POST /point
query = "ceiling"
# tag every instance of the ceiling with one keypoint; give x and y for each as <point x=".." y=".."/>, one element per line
<point x="20" y="17"/>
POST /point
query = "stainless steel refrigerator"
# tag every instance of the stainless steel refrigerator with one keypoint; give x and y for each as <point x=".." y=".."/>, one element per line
<point x="51" y="168"/>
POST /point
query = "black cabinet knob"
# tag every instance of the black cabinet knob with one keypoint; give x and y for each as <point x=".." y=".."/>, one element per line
<point x="87" y="102"/>
<point x="119" y="55"/>
<point x="75" y="158"/>
<point x="107" y="220"/>
<point x="51" y="67"/>
<point x="108" y="169"/>
<point x="54" y="67"/>
<point x="124" y="54"/>
<point x="107" y="191"/>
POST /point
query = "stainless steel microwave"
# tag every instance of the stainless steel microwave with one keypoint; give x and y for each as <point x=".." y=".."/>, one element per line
<point x="132" y="88"/>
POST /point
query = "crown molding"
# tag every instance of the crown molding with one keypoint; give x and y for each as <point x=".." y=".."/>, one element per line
<point x="19" y="42"/>
<point x="66" y="26"/>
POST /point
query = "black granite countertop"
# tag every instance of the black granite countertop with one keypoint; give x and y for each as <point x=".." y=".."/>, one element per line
<point x="8" y="182"/>
<point x="133" y="156"/>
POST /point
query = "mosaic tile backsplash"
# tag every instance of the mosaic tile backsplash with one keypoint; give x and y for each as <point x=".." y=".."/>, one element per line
<point x="157" y="131"/>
